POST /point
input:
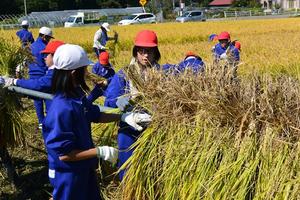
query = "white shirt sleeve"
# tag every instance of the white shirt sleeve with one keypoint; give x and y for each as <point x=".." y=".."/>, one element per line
<point x="97" y="39"/>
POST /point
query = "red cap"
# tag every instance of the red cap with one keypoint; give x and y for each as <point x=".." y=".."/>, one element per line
<point x="146" y="38"/>
<point x="237" y="45"/>
<point x="103" y="58"/>
<point x="52" y="46"/>
<point x="190" y="53"/>
<point x="224" y="36"/>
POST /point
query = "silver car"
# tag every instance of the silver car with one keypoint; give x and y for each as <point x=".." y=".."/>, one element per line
<point x="139" y="18"/>
<point x="195" y="15"/>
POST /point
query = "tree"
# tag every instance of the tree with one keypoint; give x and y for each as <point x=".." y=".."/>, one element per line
<point x="8" y="7"/>
<point x="110" y="4"/>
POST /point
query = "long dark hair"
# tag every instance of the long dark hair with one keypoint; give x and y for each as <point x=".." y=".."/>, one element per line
<point x="156" y="52"/>
<point x="67" y="82"/>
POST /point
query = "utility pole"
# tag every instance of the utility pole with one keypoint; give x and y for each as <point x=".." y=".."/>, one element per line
<point x="181" y="4"/>
<point x="25" y="7"/>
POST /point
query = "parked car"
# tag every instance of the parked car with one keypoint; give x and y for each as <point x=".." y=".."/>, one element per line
<point x="139" y="18"/>
<point x="82" y="18"/>
<point x="196" y="15"/>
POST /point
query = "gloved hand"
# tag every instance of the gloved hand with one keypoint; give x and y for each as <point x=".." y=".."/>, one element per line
<point x="122" y="102"/>
<point x="223" y="56"/>
<point x="133" y="119"/>
<point x="107" y="153"/>
<point x="6" y="81"/>
<point x="19" y="68"/>
<point x="213" y="49"/>
<point x="104" y="48"/>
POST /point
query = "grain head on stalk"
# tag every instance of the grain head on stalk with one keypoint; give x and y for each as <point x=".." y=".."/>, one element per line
<point x="212" y="135"/>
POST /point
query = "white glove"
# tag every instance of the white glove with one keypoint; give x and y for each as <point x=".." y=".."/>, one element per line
<point x="133" y="119"/>
<point x="122" y="102"/>
<point x="107" y="153"/>
<point x="7" y="81"/>
<point x="104" y="48"/>
<point x="223" y="56"/>
<point x="213" y="49"/>
<point x="19" y="68"/>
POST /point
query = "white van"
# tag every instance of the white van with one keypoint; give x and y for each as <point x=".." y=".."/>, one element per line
<point x="139" y="18"/>
<point x="83" y="18"/>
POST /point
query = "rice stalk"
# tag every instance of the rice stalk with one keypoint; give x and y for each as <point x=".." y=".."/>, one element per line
<point x="215" y="137"/>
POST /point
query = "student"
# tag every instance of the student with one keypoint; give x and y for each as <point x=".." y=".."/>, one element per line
<point x="101" y="38"/>
<point x="67" y="129"/>
<point x="38" y="67"/>
<point x="145" y="55"/>
<point x="225" y="49"/>
<point x="103" y="69"/>
<point x="191" y="61"/>
<point x="24" y="35"/>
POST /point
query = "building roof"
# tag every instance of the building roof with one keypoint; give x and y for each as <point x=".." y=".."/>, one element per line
<point x="221" y="3"/>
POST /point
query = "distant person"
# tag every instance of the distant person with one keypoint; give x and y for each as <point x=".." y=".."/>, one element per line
<point x="103" y="68"/>
<point x="237" y="45"/>
<point x="191" y="61"/>
<point x="225" y="49"/>
<point x="24" y="35"/>
<point x="38" y="67"/>
<point x="101" y="38"/>
<point x="213" y="37"/>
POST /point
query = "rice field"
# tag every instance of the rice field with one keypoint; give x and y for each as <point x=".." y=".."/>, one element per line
<point x="211" y="138"/>
<point x="267" y="45"/>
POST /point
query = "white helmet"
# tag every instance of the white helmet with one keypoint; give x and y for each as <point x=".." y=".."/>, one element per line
<point x="106" y="26"/>
<point x="46" y="31"/>
<point x="24" y="23"/>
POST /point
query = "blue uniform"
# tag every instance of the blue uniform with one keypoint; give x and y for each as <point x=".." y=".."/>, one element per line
<point x="38" y="69"/>
<point x="25" y="37"/>
<point x="126" y="134"/>
<point x="219" y="50"/>
<point x="194" y="63"/>
<point x="105" y="72"/>
<point x="42" y="84"/>
<point x="67" y="127"/>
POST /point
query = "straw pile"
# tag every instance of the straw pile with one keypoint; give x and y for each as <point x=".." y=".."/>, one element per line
<point x="214" y="136"/>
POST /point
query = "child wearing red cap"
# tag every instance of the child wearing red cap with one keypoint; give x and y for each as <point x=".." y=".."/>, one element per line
<point x="191" y="61"/>
<point x="225" y="49"/>
<point x="104" y="69"/>
<point x="145" y="54"/>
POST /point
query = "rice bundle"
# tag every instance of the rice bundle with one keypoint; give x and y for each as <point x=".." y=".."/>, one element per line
<point x="216" y="137"/>
<point x="10" y="107"/>
<point x="11" y="128"/>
